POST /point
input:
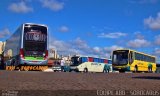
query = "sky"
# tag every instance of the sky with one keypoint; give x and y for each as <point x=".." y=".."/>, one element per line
<point x="88" y="27"/>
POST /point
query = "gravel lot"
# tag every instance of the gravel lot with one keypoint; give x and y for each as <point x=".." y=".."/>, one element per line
<point x="24" y="83"/>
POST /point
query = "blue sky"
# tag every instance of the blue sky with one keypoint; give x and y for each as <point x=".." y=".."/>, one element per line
<point x="88" y="27"/>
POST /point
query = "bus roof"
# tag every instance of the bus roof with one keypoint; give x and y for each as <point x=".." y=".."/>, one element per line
<point x="136" y="51"/>
<point x="35" y="24"/>
<point x="88" y="56"/>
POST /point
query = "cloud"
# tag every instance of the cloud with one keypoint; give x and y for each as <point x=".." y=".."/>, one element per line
<point x="20" y="7"/>
<point x="63" y="29"/>
<point x="99" y="52"/>
<point x="79" y="46"/>
<point x="157" y="40"/>
<point x="54" y="5"/>
<point x="111" y="48"/>
<point x="137" y="43"/>
<point x="104" y="52"/>
<point x="139" y="35"/>
<point x="153" y="23"/>
<point x="85" y="49"/>
<point x="156" y="52"/>
<point x="4" y="33"/>
<point x="96" y="49"/>
<point x="112" y="35"/>
<point x="62" y="47"/>
<point x="107" y="50"/>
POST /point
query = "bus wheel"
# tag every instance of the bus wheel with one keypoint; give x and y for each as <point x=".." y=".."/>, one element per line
<point x="85" y="70"/>
<point x="135" y="69"/>
<point x="70" y="70"/>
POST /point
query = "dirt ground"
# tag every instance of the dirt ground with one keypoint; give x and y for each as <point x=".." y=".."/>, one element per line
<point x="31" y="83"/>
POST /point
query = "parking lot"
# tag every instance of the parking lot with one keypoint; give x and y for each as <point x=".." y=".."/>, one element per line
<point x="76" y="84"/>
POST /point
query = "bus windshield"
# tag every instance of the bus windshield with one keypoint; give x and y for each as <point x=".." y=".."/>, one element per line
<point x="120" y="57"/>
<point x="75" y="61"/>
<point x="35" y="40"/>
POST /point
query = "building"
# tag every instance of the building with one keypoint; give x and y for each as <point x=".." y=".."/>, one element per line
<point x="53" y="53"/>
<point x="2" y="45"/>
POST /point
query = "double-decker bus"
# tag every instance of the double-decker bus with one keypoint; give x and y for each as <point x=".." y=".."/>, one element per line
<point x="130" y="60"/>
<point x="27" y="46"/>
<point x="89" y="64"/>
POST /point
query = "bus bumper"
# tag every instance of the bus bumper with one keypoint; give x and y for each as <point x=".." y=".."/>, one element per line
<point x="122" y="68"/>
<point x="28" y="62"/>
<point x="74" y="68"/>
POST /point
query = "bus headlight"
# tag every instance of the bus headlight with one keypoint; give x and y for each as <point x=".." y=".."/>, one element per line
<point x="44" y="54"/>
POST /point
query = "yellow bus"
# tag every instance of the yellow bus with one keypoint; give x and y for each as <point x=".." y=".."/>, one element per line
<point x="130" y="60"/>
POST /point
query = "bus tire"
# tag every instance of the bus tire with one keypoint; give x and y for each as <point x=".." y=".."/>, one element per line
<point x="76" y="70"/>
<point x="85" y="70"/>
<point x="70" y="70"/>
<point x="136" y="69"/>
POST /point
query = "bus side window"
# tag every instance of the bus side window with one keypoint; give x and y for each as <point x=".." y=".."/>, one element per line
<point x="131" y="58"/>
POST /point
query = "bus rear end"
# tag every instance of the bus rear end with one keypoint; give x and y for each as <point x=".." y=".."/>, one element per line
<point x="34" y="46"/>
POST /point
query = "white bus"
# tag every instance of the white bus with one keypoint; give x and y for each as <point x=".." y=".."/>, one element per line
<point x="27" y="46"/>
<point x="89" y="64"/>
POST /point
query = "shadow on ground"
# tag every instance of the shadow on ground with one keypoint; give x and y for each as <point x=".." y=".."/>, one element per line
<point x="147" y="77"/>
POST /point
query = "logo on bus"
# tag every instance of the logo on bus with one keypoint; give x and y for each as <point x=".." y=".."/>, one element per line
<point x="35" y="36"/>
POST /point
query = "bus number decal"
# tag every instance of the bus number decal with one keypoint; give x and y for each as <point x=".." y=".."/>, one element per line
<point x="34" y="36"/>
